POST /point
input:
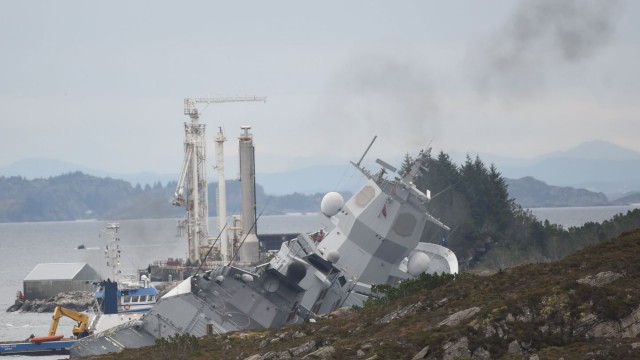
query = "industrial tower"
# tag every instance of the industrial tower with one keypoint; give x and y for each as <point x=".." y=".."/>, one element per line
<point x="191" y="191"/>
<point x="250" y="247"/>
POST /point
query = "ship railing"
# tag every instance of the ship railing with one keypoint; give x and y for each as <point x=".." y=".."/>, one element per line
<point x="94" y="313"/>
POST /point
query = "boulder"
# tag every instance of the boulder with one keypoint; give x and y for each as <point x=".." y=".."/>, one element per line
<point x="421" y="354"/>
<point x="600" y="279"/>
<point x="457" y="349"/>
<point x="322" y="353"/>
<point x="460" y="316"/>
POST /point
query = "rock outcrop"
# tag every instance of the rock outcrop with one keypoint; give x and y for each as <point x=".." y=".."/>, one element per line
<point x="74" y="300"/>
<point x="601" y="279"/>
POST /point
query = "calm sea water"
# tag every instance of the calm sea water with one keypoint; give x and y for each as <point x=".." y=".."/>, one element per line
<point x="24" y="245"/>
<point x="578" y="216"/>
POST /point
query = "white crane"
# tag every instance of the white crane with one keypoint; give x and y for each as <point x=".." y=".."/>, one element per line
<point x="191" y="190"/>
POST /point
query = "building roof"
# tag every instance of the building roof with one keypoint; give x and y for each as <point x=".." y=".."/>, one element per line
<point x="55" y="271"/>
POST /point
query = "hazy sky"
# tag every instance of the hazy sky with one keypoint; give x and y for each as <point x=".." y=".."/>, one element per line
<point x="102" y="84"/>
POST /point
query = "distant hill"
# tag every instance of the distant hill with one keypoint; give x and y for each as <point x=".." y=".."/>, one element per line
<point x="43" y="168"/>
<point x="531" y="193"/>
<point x="310" y="180"/>
<point x="596" y="150"/>
<point x="631" y="198"/>
<point x="597" y="166"/>
<point x="78" y="196"/>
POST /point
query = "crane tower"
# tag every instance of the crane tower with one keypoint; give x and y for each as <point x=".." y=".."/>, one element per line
<point x="191" y="191"/>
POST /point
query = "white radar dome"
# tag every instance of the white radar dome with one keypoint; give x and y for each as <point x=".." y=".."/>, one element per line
<point x="331" y="204"/>
<point x="333" y="256"/>
<point x="418" y="263"/>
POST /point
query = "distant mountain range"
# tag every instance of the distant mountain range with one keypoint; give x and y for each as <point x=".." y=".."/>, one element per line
<point x="43" y="168"/>
<point x="598" y="166"/>
<point x="309" y="180"/>
<point x="532" y="193"/>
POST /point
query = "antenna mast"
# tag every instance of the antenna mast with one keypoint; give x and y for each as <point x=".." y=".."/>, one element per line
<point x="112" y="250"/>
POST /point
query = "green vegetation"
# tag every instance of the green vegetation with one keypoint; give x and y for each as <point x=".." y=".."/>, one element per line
<point x="491" y="231"/>
<point x="387" y="293"/>
<point x="179" y="346"/>
<point x="77" y="196"/>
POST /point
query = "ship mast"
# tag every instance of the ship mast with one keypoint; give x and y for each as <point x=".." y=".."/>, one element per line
<point x="192" y="190"/>
<point x="112" y="250"/>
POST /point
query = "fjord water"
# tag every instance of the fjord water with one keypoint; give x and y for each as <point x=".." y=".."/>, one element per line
<point x="578" y="216"/>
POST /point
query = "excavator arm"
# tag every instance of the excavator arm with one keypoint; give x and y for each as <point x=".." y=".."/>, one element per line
<point x="81" y="329"/>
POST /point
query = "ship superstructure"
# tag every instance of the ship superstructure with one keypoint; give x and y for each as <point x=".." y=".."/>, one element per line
<point x="374" y="238"/>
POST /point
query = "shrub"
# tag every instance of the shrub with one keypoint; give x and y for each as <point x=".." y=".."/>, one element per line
<point x="179" y="346"/>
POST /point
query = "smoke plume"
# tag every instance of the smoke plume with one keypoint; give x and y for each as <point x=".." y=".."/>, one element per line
<point x="385" y="95"/>
<point x="542" y="34"/>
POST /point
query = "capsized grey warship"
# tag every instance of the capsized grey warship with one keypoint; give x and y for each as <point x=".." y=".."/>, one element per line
<point x="373" y="238"/>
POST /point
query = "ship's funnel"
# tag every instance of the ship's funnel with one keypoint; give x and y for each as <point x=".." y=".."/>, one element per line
<point x="250" y="249"/>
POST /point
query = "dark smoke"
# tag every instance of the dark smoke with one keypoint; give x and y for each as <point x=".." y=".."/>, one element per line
<point x="385" y="95"/>
<point x="540" y="35"/>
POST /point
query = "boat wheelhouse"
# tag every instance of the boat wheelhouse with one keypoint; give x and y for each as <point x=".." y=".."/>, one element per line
<point x="132" y="299"/>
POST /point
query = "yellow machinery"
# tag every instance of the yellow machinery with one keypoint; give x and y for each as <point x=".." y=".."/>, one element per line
<point x="80" y="330"/>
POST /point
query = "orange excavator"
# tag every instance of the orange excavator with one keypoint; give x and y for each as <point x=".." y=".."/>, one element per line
<point x="80" y="330"/>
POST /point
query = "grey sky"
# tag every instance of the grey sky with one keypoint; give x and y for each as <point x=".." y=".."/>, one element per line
<point x="102" y="84"/>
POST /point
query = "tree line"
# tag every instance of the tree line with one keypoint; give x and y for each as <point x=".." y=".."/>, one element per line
<point x="78" y="196"/>
<point x="488" y="229"/>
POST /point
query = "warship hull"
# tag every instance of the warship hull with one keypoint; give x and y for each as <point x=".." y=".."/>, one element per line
<point x="373" y="238"/>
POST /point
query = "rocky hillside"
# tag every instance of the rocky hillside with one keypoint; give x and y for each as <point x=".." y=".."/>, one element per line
<point x="586" y="306"/>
